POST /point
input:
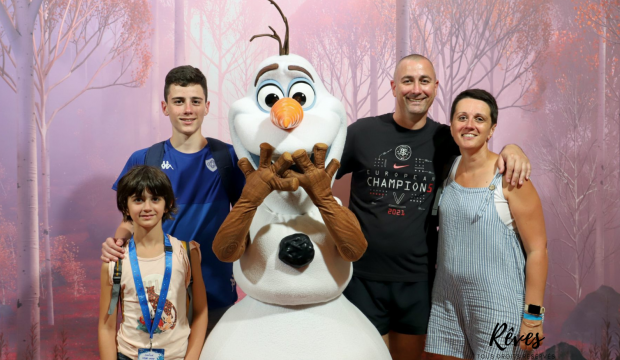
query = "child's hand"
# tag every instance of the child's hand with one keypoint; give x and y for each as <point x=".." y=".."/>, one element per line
<point x="112" y="249"/>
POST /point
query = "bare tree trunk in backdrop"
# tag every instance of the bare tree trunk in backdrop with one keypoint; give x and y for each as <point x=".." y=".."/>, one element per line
<point x="374" y="86"/>
<point x="46" y="187"/>
<point x="28" y="287"/>
<point x="156" y="87"/>
<point x="403" y="37"/>
<point x="491" y="86"/>
<point x="19" y="27"/>
<point x="179" y="33"/>
<point x="599" y="265"/>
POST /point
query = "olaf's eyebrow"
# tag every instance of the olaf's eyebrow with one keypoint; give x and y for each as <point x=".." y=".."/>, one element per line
<point x="299" y="68"/>
<point x="264" y="70"/>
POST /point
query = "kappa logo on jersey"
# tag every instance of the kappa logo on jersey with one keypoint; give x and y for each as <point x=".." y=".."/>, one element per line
<point x="403" y="152"/>
<point x="211" y="165"/>
<point x="166" y="165"/>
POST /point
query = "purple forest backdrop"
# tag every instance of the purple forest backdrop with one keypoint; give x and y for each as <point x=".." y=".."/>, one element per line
<point x="82" y="93"/>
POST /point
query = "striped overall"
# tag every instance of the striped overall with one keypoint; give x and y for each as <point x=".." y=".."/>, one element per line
<point x="480" y="279"/>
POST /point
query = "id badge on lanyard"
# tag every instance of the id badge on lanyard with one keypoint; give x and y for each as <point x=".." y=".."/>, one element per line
<point x="150" y="354"/>
<point x="151" y="324"/>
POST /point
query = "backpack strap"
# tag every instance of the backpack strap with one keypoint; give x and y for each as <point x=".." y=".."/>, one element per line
<point x="190" y="300"/>
<point x="446" y="172"/>
<point x="116" y="286"/>
<point x="155" y="155"/>
<point x="224" y="164"/>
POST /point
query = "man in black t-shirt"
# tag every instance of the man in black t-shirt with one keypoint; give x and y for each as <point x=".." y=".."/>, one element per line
<point x="397" y="161"/>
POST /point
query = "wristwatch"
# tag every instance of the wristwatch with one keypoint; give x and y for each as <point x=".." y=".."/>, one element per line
<point x="534" y="309"/>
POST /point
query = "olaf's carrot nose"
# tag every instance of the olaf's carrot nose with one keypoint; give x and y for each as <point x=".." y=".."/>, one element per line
<point x="286" y="113"/>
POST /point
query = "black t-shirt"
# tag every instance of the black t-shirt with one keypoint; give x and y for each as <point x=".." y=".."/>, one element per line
<point x="396" y="172"/>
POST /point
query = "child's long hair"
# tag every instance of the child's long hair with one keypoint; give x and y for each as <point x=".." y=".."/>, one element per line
<point x="140" y="178"/>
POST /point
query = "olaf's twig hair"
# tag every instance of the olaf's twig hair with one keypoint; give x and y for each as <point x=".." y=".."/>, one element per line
<point x="284" y="48"/>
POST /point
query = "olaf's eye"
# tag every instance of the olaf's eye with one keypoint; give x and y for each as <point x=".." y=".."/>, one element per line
<point x="303" y="93"/>
<point x="268" y="95"/>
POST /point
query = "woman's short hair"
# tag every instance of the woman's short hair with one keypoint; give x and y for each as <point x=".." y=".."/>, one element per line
<point x="140" y="178"/>
<point x="477" y="94"/>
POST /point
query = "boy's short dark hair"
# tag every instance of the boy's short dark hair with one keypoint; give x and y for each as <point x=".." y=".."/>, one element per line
<point x="140" y="178"/>
<point x="477" y="94"/>
<point x="184" y="76"/>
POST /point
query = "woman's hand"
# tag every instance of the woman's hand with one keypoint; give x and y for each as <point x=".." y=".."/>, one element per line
<point x="531" y="334"/>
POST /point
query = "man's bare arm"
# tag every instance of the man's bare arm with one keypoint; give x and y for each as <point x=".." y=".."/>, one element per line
<point x="514" y="164"/>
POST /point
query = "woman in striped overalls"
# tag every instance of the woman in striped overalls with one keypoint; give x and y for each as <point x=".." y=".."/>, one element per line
<point x="492" y="253"/>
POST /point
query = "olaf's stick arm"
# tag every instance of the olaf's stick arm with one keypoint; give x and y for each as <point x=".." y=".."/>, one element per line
<point x="233" y="236"/>
<point x="344" y="229"/>
<point x="341" y="223"/>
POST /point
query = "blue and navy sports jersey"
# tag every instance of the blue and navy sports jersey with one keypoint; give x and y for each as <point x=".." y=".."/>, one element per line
<point x="202" y="207"/>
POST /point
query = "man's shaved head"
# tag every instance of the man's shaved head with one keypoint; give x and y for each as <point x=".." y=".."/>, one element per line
<point x="415" y="57"/>
<point x="414" y="87"/>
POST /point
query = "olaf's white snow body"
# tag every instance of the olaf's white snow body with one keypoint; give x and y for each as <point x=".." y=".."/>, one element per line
<point x="291" y="313"/>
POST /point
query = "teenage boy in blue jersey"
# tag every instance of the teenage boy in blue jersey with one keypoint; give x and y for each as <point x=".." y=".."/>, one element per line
<point x="202" y="199"/>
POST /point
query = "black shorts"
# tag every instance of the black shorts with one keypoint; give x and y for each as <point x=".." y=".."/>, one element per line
<point x="403" y="307"/>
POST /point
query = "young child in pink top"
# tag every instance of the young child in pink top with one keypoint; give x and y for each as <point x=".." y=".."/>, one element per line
<point x="153" y="281"/>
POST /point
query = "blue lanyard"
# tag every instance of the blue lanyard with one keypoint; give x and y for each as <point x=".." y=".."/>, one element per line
<point x="151" y="325"/>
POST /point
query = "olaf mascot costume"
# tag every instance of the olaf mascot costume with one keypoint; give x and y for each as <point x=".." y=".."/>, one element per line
<point x="291" y="241"/>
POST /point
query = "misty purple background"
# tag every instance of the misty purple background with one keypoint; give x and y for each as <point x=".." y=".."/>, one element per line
<point x="552" y="109"/>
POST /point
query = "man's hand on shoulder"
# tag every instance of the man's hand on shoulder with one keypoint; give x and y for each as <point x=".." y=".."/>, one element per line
<point x="513" y="163"/>
<point x="112" y="249"/>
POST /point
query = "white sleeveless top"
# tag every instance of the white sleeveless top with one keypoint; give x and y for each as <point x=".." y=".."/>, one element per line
<point x="501" y="204"/>
<point x="173" y="331"/>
